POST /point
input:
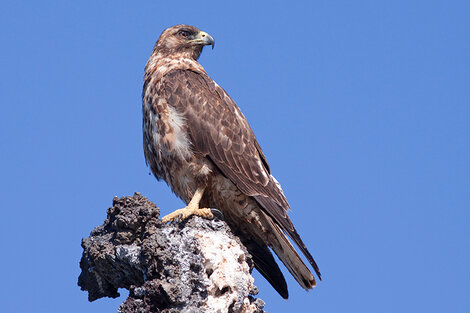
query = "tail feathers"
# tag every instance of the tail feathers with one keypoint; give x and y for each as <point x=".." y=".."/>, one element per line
<point x="278" y="215"/>
<point x="291" y="259"/>
<point x="267" y="266"/>
<point x="295" y="236"/>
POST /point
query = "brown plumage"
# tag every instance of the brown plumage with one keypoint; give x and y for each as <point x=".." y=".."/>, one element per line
<point x="195" y="136"/>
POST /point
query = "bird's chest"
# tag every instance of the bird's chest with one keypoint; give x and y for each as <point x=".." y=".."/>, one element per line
<point x="168" y="149"/>
<point x="166" y="138"/>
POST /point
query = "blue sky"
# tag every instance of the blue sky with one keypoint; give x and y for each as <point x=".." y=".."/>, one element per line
<point x="362" y="108"/>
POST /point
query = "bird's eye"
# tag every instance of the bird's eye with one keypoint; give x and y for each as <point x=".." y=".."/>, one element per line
<point x="184" y="33"/>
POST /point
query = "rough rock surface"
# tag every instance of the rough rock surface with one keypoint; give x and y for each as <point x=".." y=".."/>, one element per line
<point x="196" y="265"/>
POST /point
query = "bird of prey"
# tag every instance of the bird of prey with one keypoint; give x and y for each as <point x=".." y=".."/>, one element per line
<point x="197" y="140"/>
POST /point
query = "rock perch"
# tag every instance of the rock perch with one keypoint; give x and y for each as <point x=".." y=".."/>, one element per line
<point x="196" y="265"/>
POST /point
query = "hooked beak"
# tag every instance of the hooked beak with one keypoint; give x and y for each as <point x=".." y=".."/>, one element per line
<point x="205" y="39"/>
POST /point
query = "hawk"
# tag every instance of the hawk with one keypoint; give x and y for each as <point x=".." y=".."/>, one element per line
<point x="197" y="140"/>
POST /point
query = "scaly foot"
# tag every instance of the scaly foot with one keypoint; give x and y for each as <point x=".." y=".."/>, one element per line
<point x="186" y="212"/>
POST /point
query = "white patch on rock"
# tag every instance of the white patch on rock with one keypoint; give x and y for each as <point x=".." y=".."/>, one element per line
<point x="129" y="253"/>
<point x="229" y="278"/>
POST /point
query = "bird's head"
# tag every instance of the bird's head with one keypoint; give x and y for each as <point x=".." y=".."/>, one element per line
<point x="184" y="41"/>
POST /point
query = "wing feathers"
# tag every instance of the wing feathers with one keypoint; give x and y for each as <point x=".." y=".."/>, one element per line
<point x="219" y="130"/>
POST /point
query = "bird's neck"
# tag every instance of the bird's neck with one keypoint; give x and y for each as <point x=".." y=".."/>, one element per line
<point x="161" y="64"/>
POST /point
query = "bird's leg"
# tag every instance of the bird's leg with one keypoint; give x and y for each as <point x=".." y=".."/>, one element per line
<point x="191" y="209"/>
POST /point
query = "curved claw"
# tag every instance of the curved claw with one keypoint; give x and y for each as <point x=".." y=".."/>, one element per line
<point x="217" y="214"/>
<point x="177" y="219"/>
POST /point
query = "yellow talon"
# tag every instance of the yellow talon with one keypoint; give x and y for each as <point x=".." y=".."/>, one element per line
<point x="186" y="212"/>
